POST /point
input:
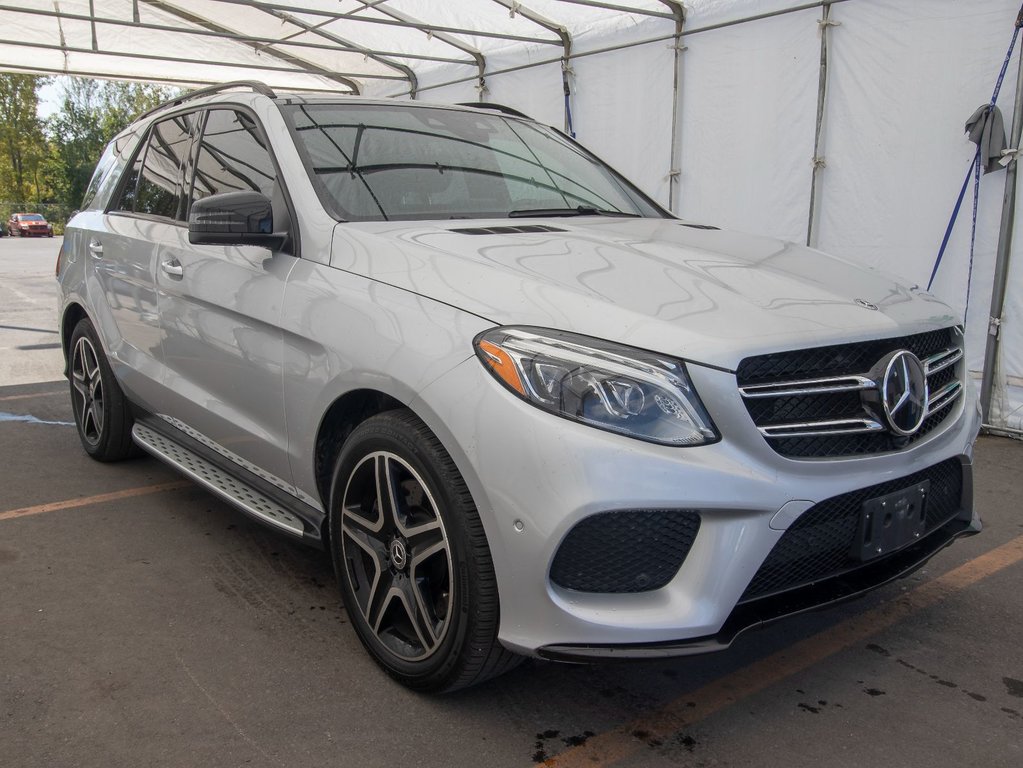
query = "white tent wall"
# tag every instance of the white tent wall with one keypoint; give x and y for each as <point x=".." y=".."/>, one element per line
<point x="748" y="113"/>
<point x="623" y="112"/>
<point x="904" y="75"/>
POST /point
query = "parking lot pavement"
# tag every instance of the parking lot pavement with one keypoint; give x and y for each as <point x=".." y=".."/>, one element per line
<point x="29" y="345"/>
<point x="145" y="623"/>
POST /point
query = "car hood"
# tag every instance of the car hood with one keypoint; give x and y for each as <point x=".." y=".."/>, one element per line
<point x="703" y="294"/>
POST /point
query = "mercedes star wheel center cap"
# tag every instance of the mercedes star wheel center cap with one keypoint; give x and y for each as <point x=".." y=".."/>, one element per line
<point x="398" y="554"/>
<point x="904" y="393"/>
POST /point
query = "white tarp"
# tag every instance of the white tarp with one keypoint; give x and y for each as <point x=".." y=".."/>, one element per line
<point x="903" y="78"/>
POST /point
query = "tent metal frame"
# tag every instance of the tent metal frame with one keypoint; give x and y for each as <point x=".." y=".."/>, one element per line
<point x="283" y="49"/>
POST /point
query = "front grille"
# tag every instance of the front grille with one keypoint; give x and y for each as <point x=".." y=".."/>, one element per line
<point x="822" y="542"/>
<point x="833" y="420"/>
<point x="629" y="550"/>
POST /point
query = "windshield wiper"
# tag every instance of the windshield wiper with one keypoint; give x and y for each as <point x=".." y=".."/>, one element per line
<point x="579" y="210"/>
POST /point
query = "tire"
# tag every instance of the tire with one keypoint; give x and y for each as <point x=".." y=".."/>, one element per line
<point x="415" y="573"/>
<point x="102" y="412"/>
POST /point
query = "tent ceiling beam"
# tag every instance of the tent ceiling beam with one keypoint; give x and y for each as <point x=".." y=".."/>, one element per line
<point x="621" y="8"/>
<point x="299" y="63"/>
<point x="406" y="71"/>
<point x="391" y="22"/>
<point x="186" y="60"/>
<point x="236" y="37"/>
<point x="638" y="43"/>
<point x="444" y="37"/>
<point x="133" y="78"/>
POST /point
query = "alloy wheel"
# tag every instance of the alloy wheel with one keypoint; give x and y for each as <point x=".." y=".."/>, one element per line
<point x="87" y="382"/>
<point x="397" y="556"/>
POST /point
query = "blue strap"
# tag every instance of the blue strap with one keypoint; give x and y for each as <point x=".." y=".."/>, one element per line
<point x="952" y="221"/>
<point x="974" y="170"/>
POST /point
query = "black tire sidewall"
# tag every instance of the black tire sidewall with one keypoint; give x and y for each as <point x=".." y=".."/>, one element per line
<point x="385" y="433"/>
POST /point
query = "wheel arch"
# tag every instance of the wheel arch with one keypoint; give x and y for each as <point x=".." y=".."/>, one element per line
<point x="342" y="416"/>
<point x="73" y="314"/>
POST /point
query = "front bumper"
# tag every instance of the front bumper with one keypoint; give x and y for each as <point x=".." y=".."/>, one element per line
<point x="534" y="476"/>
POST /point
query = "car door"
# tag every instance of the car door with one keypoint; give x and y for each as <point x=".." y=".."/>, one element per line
<point x="120" y="246"/>
<point x="220" y="309"/>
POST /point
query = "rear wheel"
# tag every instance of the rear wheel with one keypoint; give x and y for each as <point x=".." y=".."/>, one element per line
<point x="412" y="559"/>
<point x="102" y="412"/>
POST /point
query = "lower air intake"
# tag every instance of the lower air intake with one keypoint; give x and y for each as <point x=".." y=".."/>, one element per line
<point x="822" y="542"/>
<point x="629" y="550"/>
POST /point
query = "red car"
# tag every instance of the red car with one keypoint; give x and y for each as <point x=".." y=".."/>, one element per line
<point x="29" y="225"/>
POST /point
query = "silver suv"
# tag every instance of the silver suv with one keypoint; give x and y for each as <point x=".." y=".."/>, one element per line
<point x="526" y="410"/>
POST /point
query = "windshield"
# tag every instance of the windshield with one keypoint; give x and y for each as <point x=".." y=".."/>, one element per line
<point x="30" y="217"/>
<point x="377" y="162"/>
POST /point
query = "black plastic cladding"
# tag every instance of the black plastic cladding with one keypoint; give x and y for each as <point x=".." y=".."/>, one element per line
<point x="633" y="550"/>
<point x="838" y="360"/>
<point x="819" y="544"/>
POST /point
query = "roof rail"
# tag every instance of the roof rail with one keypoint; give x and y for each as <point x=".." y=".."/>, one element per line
<point x="255" y="85"/>
<point x="495" y="107"/>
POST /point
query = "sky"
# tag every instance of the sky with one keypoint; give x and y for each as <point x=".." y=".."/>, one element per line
<point x="50" y="96"/>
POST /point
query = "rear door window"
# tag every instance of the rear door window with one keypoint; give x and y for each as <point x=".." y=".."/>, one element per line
<point x="155" y="184"/>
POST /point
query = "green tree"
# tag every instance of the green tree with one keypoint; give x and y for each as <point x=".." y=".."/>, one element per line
<point x="92" y="112"/>
<point x="22" y="139"/>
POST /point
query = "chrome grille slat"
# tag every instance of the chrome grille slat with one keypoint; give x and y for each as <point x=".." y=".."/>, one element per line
<point x="823" y="428"/>
<point x="809" y="387"/>
<point x="826" y="411"/>
<point x="944" y="396"/>
<point x="942" y="360"/>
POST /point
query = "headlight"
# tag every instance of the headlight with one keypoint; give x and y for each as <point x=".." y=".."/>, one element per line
<point x="605" y="385"/>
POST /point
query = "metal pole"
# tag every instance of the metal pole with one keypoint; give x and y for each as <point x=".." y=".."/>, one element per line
<point x="631" y="44"/>
<point x="1003" y="253"/>
<point x="675" y="152"/>
<point x="822" y="93"/>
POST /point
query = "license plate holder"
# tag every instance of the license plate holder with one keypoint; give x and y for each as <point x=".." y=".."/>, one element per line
<point x="892" y="521"/>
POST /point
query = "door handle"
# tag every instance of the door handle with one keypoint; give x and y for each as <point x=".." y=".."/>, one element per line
<point x="96" y="249"/>
<point x="172" y="267"/>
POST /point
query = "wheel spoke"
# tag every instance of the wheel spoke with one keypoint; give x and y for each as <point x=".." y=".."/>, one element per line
<point x="388" y="494"/>
<point x="97" y="414"/>
<point x="78" y="382"/>
<point x="89" y="363"/>
<point x="365" y="584"/>
<point x="378" y="599"/>
<point x="416" y="611"/>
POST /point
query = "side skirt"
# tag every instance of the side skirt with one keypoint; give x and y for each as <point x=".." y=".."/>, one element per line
<point x="253" y="495"/>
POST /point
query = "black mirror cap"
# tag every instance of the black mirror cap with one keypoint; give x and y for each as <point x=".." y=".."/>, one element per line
<point x="234" y="218"/>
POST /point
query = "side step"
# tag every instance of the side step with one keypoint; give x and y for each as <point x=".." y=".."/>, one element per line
<point x="221" y="483"/>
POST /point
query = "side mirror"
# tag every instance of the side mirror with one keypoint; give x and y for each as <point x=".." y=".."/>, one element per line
<point x="234" y="218"/>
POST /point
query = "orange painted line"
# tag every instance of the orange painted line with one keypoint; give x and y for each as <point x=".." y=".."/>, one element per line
<point x="619" y="743"/>
<point x="86" y="501"/>
<point x="30" y="397"/>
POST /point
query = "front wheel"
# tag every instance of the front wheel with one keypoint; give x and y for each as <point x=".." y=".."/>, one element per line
<point x="102" y="412"/>
<point x="412" y="559"/>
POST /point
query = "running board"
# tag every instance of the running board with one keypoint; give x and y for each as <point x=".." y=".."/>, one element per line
<point x="208" y="475"/>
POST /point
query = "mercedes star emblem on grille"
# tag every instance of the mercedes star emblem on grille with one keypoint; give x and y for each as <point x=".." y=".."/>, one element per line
<point x="904" y="392"/>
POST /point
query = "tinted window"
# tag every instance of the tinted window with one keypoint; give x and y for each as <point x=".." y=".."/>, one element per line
<point x="382" y="162"/>
<point x="159" y="185"/>
<point x="232" y="157"/>
<point x="126" y="202"/>
<point x="108" y="170"/>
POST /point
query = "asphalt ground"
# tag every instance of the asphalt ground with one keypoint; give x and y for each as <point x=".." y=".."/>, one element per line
<point x="145" y="623"/>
